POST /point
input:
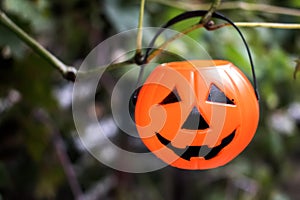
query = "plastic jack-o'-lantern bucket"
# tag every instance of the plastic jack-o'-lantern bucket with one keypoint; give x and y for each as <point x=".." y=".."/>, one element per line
<point x="197" y="114"/>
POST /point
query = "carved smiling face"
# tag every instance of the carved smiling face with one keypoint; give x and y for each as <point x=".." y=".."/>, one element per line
<point x="198" y="114"/>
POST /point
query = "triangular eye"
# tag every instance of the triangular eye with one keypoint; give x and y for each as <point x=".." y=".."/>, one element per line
<point x="216" y="95"/>
<point x="173" y="97"/>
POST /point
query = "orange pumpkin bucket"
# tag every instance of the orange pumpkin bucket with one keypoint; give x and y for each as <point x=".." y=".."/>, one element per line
<point x="197" y="114"/>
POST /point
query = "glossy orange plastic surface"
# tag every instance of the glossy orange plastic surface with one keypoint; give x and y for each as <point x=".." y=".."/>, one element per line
<point x="197" y="114"/>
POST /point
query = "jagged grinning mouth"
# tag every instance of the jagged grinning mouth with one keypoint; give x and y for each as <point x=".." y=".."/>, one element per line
<point x="196" y="151"/>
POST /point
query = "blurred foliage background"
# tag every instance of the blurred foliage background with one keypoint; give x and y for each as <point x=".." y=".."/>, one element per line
<point x="38" y="140"/>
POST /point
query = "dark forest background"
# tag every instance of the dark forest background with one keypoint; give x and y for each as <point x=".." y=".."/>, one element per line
<point x="38" y="137"/>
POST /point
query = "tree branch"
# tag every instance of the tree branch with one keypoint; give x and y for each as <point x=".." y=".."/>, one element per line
<point x="68" y="72"/>
<point x="267" y="25"/>
<point x="140" y="30"/>
<point x="214" y="27"/>
<point x="206" y="19"/>
<point x="61" y="153"/>
<point x="257" y="25"/>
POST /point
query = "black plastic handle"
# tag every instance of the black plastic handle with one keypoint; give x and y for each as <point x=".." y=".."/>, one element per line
<point x="201" y="13"/>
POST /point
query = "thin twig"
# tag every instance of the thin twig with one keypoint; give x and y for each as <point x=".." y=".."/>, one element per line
<point x="67" y="166"/>
<point x="267" y="25"/>
<point x="61" y="153"/>
<point x="68" y="72"/>
<point x="232" y="6"/>
<point x="214" y="6"/>
<point x="139" y="38"/>
<point x="258" y="25"/>
<point x="101" y="69"/>
<point x="214" y="27"/>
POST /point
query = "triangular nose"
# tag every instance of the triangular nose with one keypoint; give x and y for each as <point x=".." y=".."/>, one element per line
<point x="195" y="121"/>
